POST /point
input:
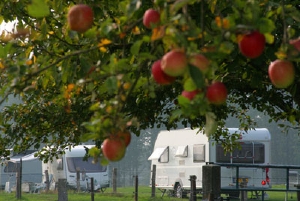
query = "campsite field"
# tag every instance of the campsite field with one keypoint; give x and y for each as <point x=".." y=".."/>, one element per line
<point x="124" y="194"/>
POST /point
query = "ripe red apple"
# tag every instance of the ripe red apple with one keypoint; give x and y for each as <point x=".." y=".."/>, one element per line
<point x="159" y="75"/>
<point x="151" y="17"/>
<point x="190" y="94"/>
<point x="252" y="45"/>
<point x="113" y="148"/>
<point x="124" y="135"/>
<point x="80" y="18"/>
<point x="174" y="63"/>
<point x="200" y="61"/>
<point x="295" y="43"/>
<point x="281" y="73"/>
<point x="216" y="93"/>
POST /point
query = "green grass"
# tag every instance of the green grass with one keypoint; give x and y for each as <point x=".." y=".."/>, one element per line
<point x="123" y="194"/>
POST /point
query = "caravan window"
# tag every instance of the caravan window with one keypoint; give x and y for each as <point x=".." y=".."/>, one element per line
<point x="164" y="158"/>
<point x="198" y="153"/>
<point x="161" y="154"/>
<point x="182" y="151"/>
<point x="77" y="163"/>
<point x="11" y="167"/>
<point x="250" y="152"/>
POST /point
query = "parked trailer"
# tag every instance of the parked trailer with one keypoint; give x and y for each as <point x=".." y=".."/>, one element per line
<point x="67" y="166"/>
<point x="178" y="154"/>
<point x="31" y="171"/>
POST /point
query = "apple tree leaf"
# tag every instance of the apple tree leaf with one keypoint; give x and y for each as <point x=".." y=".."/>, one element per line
<point x="135" y="48"/>
<point x="178" y="5"/>
<point x="183" y="101"/>
<point x="111" y="85"/>
<point x="196" y="75"/>
<point x="265" y="25"/>
<point x="269" y="38"/>
<point x="211" y="124"/>
<point x="38" y="9"/>
<point x="189" y="85"/>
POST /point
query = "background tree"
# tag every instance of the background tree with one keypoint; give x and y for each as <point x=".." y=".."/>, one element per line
<point x="77" y="87"/>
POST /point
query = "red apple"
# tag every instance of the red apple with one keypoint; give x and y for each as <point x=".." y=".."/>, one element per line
<point x="200" y="61"/>
<point x="190" y="94"/>
<point x="281" y="73"/>
<point x="80" y="18"/>
<point x="125" y="135"/>
<point x="216" y="93"/>
<point x="174" y="63"/>
<point x="113" y="148"/>
<point x="252" y="45"/>
<point x="295" y="43"/>
<point x="159" y="75"/>
<point x="151" y="17"/>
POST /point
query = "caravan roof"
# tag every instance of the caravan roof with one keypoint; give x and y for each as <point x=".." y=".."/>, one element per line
<point x="259" y="134"/>
<point x="27" y="157"/>
<point x="185" y="136"/>
<point x="179" y="137"/>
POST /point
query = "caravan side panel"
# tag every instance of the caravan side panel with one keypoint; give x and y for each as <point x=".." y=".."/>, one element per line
<point x="178" y="155"/>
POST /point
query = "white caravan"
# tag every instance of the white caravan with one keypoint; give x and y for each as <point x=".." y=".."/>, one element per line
<point x="67" y="165"/>
<point x="31" y="171"/>
<point x="178" y="154"/>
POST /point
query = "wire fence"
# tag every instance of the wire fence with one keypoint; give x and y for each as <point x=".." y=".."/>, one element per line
<point x="129" y="183"/>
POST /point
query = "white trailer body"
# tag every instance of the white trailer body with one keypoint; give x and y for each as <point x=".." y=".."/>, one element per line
<point x="69" y="164"/>
<point x="31" y="170"/>
<point x="178" y="154"/>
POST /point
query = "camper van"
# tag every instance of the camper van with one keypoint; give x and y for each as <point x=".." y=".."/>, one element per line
<point x="31" y="170"/>
<point x="178" y="154"/>
<point x="68" y="165"/>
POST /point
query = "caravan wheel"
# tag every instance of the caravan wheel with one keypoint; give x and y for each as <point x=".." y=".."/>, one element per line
<point x="179" y="192"/>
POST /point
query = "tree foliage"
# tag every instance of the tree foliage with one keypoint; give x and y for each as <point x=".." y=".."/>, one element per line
<point x="79" y="87"/>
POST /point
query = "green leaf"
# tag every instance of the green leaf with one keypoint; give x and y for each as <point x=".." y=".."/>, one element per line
<point x="135" y="48"/>
<point x="38" y="9"/>
<point x="265" y="25"/>
<point x="197" y="76"/>
<point x="183" y="101"/>
<point x="269" y="38"/>
<point x="111" y="85"/>
<point x="226" y="47"/>
<point x="176" y="114"/>
<point x="4" y="50"/>
<point x="211" y="124"/>
<point x="178" y="5"/>
<point x="133" y="6"/>
<point x="189" y="85"/>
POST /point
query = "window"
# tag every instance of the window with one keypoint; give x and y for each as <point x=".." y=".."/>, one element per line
<point x="250" y="152"/>
<point x="160" y="154"/>
<point x="199" y="153"/>
<point x="182" y="151"/>
<point x="11" y="167"/>
<point x="77" y="163"/>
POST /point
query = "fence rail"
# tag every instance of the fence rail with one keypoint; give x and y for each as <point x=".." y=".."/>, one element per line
<point x="285" y="177"/>
<point x="287" y="169"/>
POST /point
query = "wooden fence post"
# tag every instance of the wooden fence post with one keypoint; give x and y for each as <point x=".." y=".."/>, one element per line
<point x="19" y="181"/>
<point x="47" y="180"/>
<point x="62" y="190"/>
<point x="114" y="180"/>
<point x="92" y="189"/>
<point x="136" y="185"/>
<point x="78" y="180"/>
<point x="193" y="194"/>
<point x="153" y="176"/>
<point x="211" y="182"/>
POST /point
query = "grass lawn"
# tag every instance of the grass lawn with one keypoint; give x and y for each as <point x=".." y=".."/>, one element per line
<point x="125" y="194"/>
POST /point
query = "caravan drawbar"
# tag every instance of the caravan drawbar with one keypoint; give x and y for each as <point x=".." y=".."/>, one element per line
<point x="178" y="154"/>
